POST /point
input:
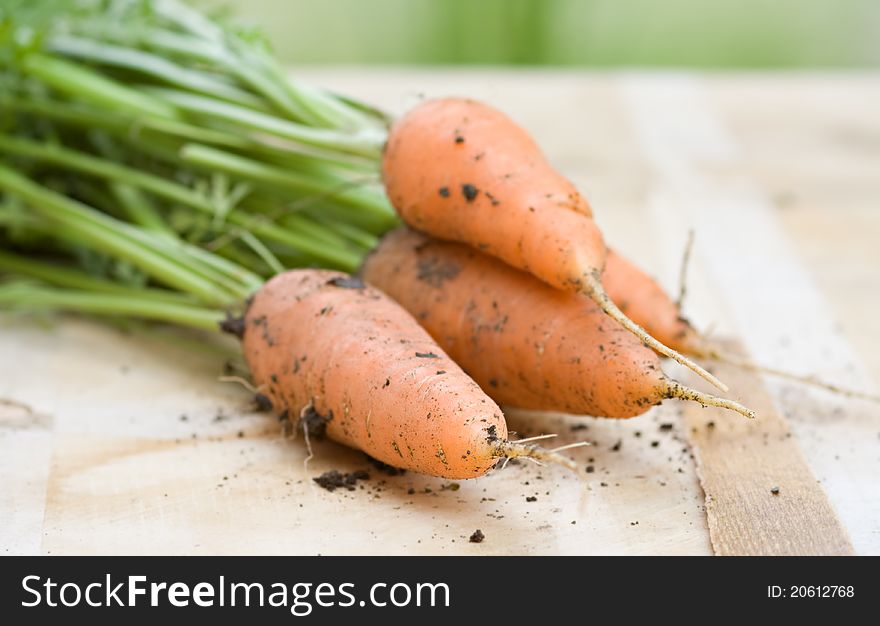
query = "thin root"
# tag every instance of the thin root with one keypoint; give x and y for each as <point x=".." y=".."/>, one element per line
<point x="537" y="438"/>
<point x="677" y="390"/>
<point x="305" y="429"/>
<point x="241" y="381"/>
<point x="813" y="381"/>
<point x="596" y="291"/>
<point x="516" y="450"/>
<point x="577" y="444"/>
<point x="682" y="277"/>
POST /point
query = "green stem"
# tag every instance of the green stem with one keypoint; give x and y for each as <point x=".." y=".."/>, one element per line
<point x="366" y="141"/>
<point x="175" y="192"/>
<point x="103" y="168"/>
<point x="27" y="297"/>
<point x="138" y="208"/>
<point x="237" y="58"/>
<point x="370" y="208"/>
<point x="60" y="276"/>
<point x="80" y="82"/>
<point x="110" y="236"/>
<point x="77" y="114"/>
<point x="156" y="67"/>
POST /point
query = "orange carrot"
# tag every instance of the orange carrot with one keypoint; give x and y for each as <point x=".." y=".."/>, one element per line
<point x="462" y="171"/>
<point x="645" y="302"/>
<point x="526" y="344"/>
<point x="351" y="363"/>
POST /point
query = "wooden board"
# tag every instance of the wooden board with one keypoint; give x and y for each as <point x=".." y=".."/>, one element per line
<point x="101" y="460"/>
<point x="762" y="499"/>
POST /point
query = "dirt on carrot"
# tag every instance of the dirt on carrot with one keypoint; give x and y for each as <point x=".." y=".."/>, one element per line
<point x="353" y="365"/>
<point x="527" y="344"/>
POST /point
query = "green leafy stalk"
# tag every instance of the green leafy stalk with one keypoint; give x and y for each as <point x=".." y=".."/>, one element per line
<point x="112" y="237"/>
<point x="161" y="164"/>
<point x="70" y="78"/>
<point x="24" y="297"/>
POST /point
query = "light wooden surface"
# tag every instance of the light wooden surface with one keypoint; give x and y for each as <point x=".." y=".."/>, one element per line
<point x="778" y="174"/>
<point x="762" y="499"/>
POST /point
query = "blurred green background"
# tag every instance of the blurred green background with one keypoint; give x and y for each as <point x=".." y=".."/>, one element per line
<point x="604" y="33"/>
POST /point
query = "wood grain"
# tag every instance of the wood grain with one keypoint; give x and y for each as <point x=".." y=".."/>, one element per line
<point x="761" y="497"/>
<point x="749" y="281"/>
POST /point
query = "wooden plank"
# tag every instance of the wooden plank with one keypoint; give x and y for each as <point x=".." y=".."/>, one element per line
<point x="25" y="449"/>
<point x="752" y="282"/>
<point x="761" y="497"/>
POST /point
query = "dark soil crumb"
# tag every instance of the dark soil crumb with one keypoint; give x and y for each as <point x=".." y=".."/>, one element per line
<point x="775" y="491"/>
<point x="616" y="446"/>
<point x="411" y="490"/>
<point x="234" y="325"/>
<point x="262" y="323"/>
<point x="576" y="427"/>
<point x="444" y="192"/>
<point x="590" y="469"/>
<point x="469" y="191"/>
<point x="667" y="426"/>
<point x="492" y="432"/>
<point x="334" y="479"/>
<point x="654" y="444"/>
<point x="603" y="484"/>
<point x="477" y="537"/>
<point x="710" y="425"/>
<point x="531" y="498"/>
<point x="315" y="423"/>
<point x="435" y="271"/>
<point x="183" y="418"/>
<point x="388" y="470"/>
<point x="347" y="282"/>
<point x="262" y="402"/>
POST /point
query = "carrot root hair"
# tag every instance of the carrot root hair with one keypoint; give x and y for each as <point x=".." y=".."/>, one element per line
<point x="682" y="275"/>
<point x="517" y="449"/>
<point x="675" y="389"/>
<point x="594" y="289"/>
<point x="305" y="429"/>
<point x="711" y="352"/>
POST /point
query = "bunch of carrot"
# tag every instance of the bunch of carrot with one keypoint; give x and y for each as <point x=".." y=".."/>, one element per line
<point x="161" y="165"/>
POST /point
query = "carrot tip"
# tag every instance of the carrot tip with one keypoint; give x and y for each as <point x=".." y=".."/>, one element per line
<point x="675" y="389"/>
<point x="516" y="449"/>
<point x="594" y="289"/>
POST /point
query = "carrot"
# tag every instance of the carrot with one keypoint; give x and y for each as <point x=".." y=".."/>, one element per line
<point x="354" y="365"/>
<point x="463" y="171"/>
<point x="526" y="344"/>
<point x="647" y="303"/>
